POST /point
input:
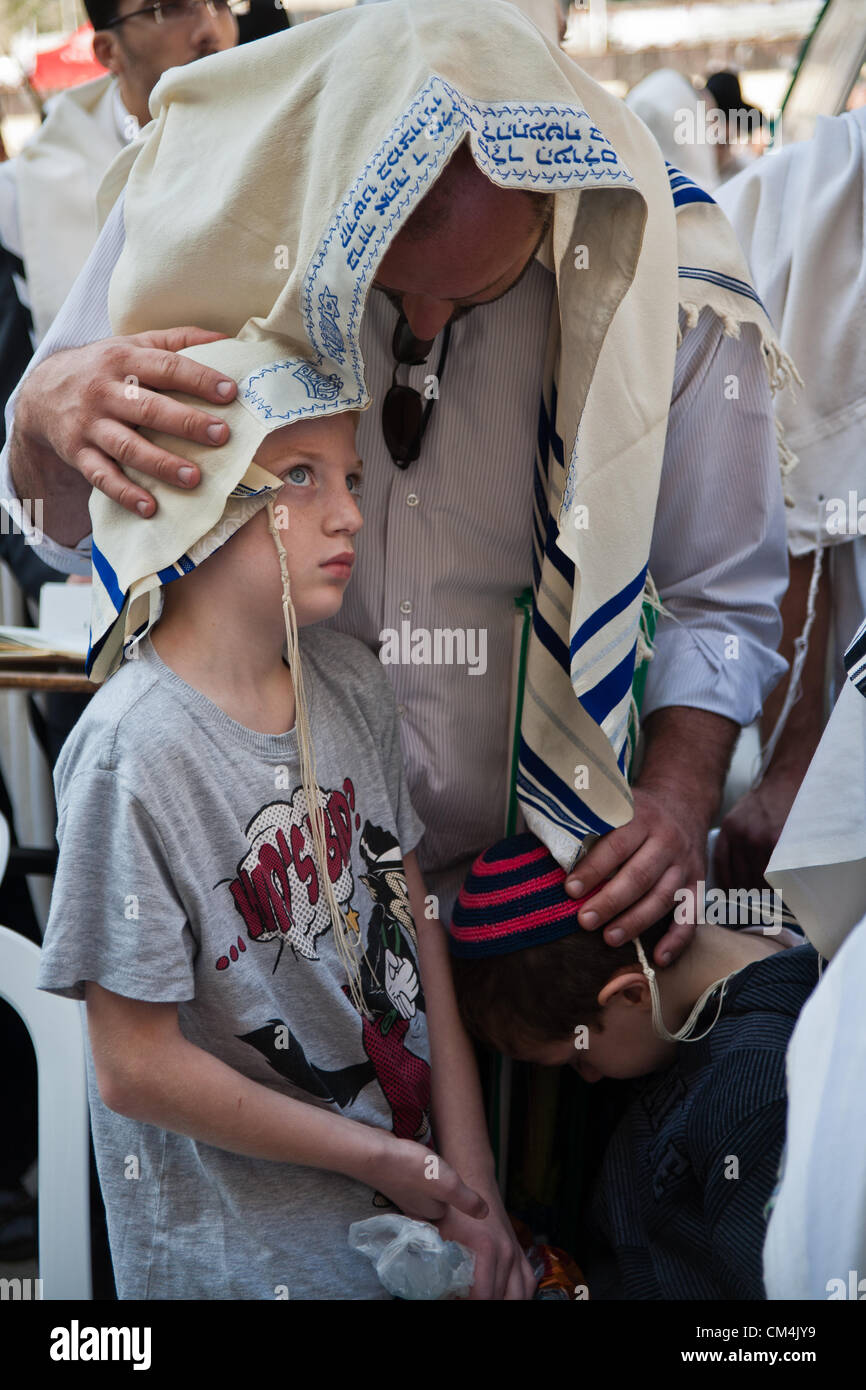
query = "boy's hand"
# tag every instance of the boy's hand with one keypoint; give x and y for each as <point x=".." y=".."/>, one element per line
<point x="502" y="1271"/>
<point x="420" y="1182"/>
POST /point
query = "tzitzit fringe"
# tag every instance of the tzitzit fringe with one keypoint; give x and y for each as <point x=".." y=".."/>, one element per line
<point x="346" y="941"/>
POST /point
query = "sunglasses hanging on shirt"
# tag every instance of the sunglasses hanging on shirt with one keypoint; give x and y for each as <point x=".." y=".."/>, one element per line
<point x="405" y="417"/>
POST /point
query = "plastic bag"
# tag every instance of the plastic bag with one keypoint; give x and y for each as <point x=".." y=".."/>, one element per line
<point x="411" y="1258"/>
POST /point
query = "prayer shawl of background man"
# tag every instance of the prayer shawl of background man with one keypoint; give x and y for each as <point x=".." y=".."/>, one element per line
<point x="259" y="203"/>
<point x="798" y="214"/>
<point x="58" y="176"/>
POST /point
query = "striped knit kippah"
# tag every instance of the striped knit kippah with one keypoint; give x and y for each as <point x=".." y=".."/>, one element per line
<point x="513" y="897"/>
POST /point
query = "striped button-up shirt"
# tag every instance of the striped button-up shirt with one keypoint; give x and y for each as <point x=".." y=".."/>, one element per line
<point x="446" y="544"/>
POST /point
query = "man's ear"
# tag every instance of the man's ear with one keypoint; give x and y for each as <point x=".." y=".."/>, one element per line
<point x="631" y="986"/>
<point x="105" y="49"/>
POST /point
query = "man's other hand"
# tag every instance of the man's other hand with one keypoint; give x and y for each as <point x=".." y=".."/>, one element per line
<point x="644" y="863"/>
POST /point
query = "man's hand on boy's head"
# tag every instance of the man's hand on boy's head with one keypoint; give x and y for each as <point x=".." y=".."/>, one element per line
<point x="644" y="863"/>
<point x="85" y="406"/>
<point x="664" y="847"/>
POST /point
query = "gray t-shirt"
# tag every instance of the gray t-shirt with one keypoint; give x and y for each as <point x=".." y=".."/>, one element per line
<point x="186" y="876"/>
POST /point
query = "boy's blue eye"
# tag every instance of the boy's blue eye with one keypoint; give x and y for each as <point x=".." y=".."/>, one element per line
<point x="354" y="483"/>
<point x="298" y="475"/>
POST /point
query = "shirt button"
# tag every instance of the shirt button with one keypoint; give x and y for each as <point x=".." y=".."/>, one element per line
<point x="405" y="606"/>
<point x="401" y="710"/>
<point x="412" y="500"/>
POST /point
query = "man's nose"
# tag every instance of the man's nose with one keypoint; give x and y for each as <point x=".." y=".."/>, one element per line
<point x="209" y="28"/>
<point x="426" y="317"/>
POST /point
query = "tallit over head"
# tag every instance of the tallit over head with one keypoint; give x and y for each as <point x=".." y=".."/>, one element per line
<point x="260" y="202"/>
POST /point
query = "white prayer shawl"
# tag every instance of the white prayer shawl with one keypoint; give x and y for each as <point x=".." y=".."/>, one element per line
<point x="318" y="146"/>
<point x="799" y="214"/>
<point x="58" y="175"/>
<point x="819" y="863"/>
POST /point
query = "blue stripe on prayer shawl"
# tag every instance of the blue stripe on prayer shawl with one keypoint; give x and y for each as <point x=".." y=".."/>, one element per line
<point x="555" y="441"/>
<point x="539" y="492"/>
<point x="567" y="823"/>
<point x="537" y="542"/>
<point x="691" y="195"/>
<point x="107" y="576"/>
<point x="176" y="571"/>
<point x="715" y="277"/>
<point x="547" y="784"/>
<point x="551" y="640"/>
<point x="606" y="695"/>
<point x="543" y="433"/>
<point x="608" y="611"/>
<point x="93" y="652"/>
<point x="538" y="533"/>
<point x="556" y="557"/>
<point x="684" y="189"/>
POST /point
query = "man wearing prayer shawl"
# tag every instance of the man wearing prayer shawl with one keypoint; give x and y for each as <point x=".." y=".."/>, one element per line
<point x="269" y="202"/>
<point x="799" y="217"/>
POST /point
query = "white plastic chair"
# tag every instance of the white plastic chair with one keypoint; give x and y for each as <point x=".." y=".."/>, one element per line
<point x="5" y="841"/>
<point x="55" y="1028"/>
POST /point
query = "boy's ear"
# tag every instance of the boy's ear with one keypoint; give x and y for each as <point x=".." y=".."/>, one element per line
<point x="631" y="985"/>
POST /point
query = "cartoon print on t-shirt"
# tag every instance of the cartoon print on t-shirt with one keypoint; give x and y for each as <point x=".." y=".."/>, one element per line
<point x="276" y="889"/>
<point x="389" y="975"/>
<point x="277" y="893"/>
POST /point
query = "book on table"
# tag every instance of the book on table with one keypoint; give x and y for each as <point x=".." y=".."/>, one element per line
<point x="63" y="632"/>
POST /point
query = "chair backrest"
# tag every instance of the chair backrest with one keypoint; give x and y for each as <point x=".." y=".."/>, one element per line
<point x="5" y="841"/>
<point x="56" y="1031"/>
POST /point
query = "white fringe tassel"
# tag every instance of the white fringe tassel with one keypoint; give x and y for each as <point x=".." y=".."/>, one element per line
<point x="348" y="943"/>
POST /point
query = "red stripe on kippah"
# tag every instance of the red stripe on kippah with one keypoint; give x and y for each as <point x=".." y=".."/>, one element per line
<point x="525" y="920"/>
<point x="517" y="862"/>
<point x="472" y="900"/>
<point x="520" y="924"/>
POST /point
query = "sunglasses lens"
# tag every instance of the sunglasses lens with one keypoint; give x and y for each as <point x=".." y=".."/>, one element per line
<point x="402" y="413"/>
<point x="409" y="350"/>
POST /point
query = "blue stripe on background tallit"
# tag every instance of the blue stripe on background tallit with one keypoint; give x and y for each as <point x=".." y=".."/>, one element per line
<point x="855" y="659"/>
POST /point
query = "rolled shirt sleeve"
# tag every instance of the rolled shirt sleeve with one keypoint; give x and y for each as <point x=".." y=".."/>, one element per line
<point x="719" y="555"/>
<point x="82" y="319"/>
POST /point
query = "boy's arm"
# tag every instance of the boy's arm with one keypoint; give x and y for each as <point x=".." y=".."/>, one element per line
<point x="501" y="1270"/>
<point x="147" y="1069"/>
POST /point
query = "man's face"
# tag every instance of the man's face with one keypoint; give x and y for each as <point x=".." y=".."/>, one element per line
<point x="141" y="50"/>
<point x="478" y="256"/>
